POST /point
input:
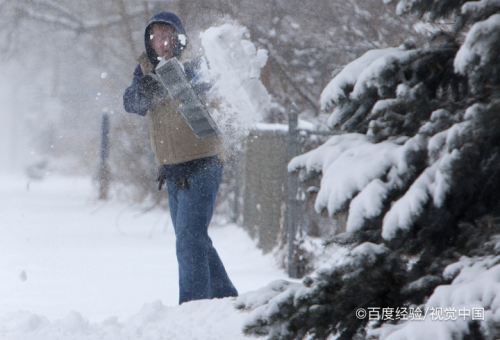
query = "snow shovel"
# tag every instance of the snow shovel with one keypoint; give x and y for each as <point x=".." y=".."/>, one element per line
<point x="194" y="112"/>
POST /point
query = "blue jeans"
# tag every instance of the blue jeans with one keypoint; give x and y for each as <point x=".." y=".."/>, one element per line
<point x="192" y="189"/>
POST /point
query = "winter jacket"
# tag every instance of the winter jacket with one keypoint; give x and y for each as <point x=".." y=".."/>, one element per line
<point x="172" y="140"/>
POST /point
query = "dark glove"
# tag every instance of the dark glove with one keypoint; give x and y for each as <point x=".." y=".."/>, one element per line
<point x="162" y="178"/>
<point x="151" y="88"/>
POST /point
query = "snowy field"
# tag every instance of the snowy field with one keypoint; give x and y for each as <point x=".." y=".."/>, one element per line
<point x="72" y="267"/>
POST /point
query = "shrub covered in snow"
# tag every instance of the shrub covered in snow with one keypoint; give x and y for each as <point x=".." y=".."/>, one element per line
<point x="417" y="172"/>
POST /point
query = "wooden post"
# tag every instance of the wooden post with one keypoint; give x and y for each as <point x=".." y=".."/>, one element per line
<point x="292" y="207"/>
<point x="104" y="174"/>
<point x="237" y="190"/>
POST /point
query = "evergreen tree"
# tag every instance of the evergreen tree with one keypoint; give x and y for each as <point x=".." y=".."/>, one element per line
<point x="417" y="169"/>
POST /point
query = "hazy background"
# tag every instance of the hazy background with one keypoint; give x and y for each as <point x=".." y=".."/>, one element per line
<point x="65" y="63"/>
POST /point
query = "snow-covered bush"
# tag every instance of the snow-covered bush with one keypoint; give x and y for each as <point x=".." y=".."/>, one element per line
<point x="417" y="172"/>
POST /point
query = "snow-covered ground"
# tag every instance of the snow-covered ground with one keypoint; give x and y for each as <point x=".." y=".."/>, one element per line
<point x="72" y="267"/>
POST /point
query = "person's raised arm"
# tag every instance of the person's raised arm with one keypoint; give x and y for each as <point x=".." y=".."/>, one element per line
<point x="135" y="99"/>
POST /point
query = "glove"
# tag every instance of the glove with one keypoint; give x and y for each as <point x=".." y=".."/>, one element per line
<point x="161" y="180"/>
<point x="151" y="88"/>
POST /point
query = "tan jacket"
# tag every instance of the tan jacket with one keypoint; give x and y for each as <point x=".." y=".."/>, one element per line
<point x="172" y="140"/>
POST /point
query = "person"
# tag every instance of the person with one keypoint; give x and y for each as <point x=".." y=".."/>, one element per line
<point x="191" y="167"/>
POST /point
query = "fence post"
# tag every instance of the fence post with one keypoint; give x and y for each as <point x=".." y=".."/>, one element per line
<point x="237" y="191"/>
<point x="103" y="173"/>
<point x="292" y="207"/>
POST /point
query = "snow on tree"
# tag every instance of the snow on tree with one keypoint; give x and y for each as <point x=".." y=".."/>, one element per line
<point x="308" y="41"/>
<point x="416" y="170"/>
